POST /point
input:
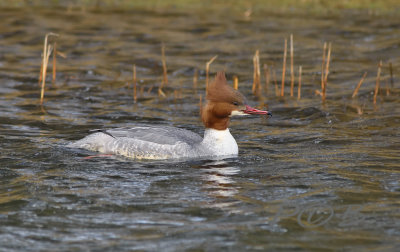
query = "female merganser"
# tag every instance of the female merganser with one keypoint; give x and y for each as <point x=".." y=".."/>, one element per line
<point x="164" y="142"/>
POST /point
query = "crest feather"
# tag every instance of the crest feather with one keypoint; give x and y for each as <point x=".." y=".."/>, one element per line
<point x="220" y="91"/>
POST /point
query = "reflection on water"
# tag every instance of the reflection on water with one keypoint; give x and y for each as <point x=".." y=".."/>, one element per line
<point x="313" y="177"/>
<point x="218" y="178"/>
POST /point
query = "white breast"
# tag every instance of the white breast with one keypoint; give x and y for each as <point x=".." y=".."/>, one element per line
<point x="219" y="142"/>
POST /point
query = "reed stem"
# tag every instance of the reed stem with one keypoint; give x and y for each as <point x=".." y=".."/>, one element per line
<point x="299" y="86"/>
<point x="164" y="64"/>
<point x="150" y="89"/>
<point x="164" y="81"/>
<point x="377" y="84"/>
<point x="266" y="75"/>
<point x="291" y="66"/>
<point x="195" y="78"/>
<point x="235" y="82"/>
<point x="208" y="69"/>
<point x="44" y="68"/>
<point x="53" y="81"/>
<point x="387" y="87"/>
<point x="46" y="54"/>
<point x="328" y="58"/>
<point x="256" y="74"/>
<point x="323" y="66"/>
<point x="359" y="85"/>
<point x="253" y="87"/>
<point x="161" y="93"/>
<point x="284" y="69"/>
<point x="275" y="82"/>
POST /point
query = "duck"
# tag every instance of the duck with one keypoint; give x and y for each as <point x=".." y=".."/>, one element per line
<point x="157" y="142"/>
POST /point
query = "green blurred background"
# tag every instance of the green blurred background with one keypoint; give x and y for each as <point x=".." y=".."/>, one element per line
<point x="313" y="6"/>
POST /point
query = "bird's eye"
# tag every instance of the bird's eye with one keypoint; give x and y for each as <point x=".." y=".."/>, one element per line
<point x="235" y="103"/>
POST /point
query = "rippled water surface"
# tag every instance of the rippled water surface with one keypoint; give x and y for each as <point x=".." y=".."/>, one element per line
<point x="313" y="177"/>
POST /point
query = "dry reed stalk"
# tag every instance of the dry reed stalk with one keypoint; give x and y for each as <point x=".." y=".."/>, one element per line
<point x="150" y="89"/>
<point x="164" y="64"/>
<point x="53" y="81"/>
<point x="387" y="87"/>
<point x="208" y="69"/>
<point x="164" y="81"/>
<point x="44" y="71"/>
<point x="391" y="74"/>
<point x="291" y="66"/>
<point x="266" y="75"/>
<point x="235" y="82"/>
<point x="284" y="69"/>
<point x="359" y="85"/>
<point x="323" y="66"/>
<point x="161" y="93"/>
<point x="253" y="87"/>
<point x="256" y="74"/>
<point x="49" y="51"/>
<point x="247" y="13"/>
<point x="45" y="60"/>
<point x="299" y="85"/>
<point x="275" y="82"/>
<point x="328" y="59"/>
<point x="134" y="84"/>
<point x="195" y="78"/>
<point x="378" y="77"/>
<point x="63" y="55"/>
<point x="359" y="110"/>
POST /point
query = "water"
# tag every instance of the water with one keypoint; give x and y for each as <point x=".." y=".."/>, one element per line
<point x="313" y="177"/>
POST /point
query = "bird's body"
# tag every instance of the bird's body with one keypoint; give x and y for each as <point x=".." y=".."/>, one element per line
<point x="165" y="142"/>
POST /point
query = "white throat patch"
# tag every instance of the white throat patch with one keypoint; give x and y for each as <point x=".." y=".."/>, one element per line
<point x="237" y="113"/>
